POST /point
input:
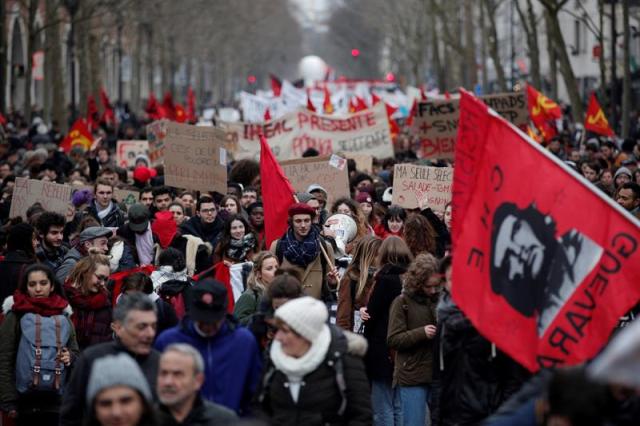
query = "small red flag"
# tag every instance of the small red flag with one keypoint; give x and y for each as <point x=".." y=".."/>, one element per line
<point x="276" y="85"/>
<point x="310" y="105"/>
<point x="222" y="273"/>
<point x="79" y="134"/>
<point x="534" y="269"/>
<point x="267" y="115"/>
<point x="327" y="106"/>
<point x="543" y="113"/>
<point x="93" y="117"/>
<point x="181" y="115"/>
<point x="374" y="99"/>
<point x="153" y="108"/>
<point x="191" y="106"/>
<point x="353" y="106"/>
<point x="361" y="104"/>
<point x="277" y="194"/>
<point x="596" y="121"/>
<point x="168" y="108"/>
<point x="108" y="116"/>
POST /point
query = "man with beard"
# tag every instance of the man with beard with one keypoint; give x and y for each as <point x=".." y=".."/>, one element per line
<point x="206" y="224"/>
<point x="50" y="227"/>
<point x="180" y="377"/>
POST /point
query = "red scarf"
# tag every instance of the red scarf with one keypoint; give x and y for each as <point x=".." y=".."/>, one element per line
<point x="89" y="302"/>
<point x="45" y="306"/>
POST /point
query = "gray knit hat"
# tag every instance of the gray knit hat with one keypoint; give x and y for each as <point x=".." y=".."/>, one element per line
<point x="116" y="370"/>
<point x="303" y="197"/>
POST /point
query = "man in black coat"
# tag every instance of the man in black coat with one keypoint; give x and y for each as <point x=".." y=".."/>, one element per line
<point x="180" y="377"/>
<point x="206" y="224"/>
<point x="134" y="324"/>
<point x="104" y="208"/>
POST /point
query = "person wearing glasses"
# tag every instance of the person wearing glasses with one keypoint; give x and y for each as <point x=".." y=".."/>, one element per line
<point x="87" y="293"/>
<point x="206" y="224"/>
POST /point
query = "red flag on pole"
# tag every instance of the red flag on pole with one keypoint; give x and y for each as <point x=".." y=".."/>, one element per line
<point x="181" y="115"/>
<point x="276" y="85"/>
<point x="310" y="105"/>
<point x="543" y="267"/>
<point x="327" y="106"/>
<point x="277" y="194"/>
<point x="79" y="134"/>
<point x="596" y="121"/>
<point x="543" y="112"/>
<point x="267" y="115"/>
<point x="153" y="108"/>
<point x="168" y="107"/>
<point x="374" y="99"/>
<point x="108" y="116"/>
<point x="93" y="117"/>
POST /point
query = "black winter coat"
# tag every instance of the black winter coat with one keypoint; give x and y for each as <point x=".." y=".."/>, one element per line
<point x="12" y="270"/>
<point x="319" y="400"/>
<point x="208" y="234"/>
<point x="73" y="408"/>
<point x="472" y="378"/>
<point x="115" y="219"/>
<point x="203" y="413"/>
<point x="387" y="286"/>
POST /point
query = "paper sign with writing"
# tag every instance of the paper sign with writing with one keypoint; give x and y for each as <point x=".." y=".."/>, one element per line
<point x="307" y="171"/>
<point x="156" y="133"/>
<point x="126" y="196"/>
<point x="192" y="158"/>
<point x="436" y="122"/>
<point x="52" y="196"/>
<point x="364" y="162"/>
<point x="422" y="186"/>
<point x="127" y="151"/>
<point x="295" y="132"/>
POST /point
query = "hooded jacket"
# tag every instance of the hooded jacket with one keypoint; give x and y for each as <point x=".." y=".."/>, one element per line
<point x="231" y="357"/>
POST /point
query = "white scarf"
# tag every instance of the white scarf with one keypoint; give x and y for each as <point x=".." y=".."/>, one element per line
<point x="144" y="246"/>
<point x="296" y="368"/>
<point x="104" y="212"/>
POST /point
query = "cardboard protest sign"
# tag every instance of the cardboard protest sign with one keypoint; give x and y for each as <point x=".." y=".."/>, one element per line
<point x="127" y="151"/>
<point x="318" y="170"/>
<point x="295" y="132"/>
<point x="156" y="133"/>
<point x="52" y="196"/>
<point x="422" y="186"/>
<point x="126" y="196"/>
<point x="195" y="158"/>
<point x="364" y="162"/>
<point x="436" y="122"/>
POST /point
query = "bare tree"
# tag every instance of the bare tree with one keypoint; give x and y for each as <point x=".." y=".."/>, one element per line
<point x="3" y="54"/>
<point x="53" y="76"/>
<point x="530" y="26"/>
<point x="32" y="9"/>
<point x="555" y="34"/>
<point x="491" y="36"/>
<point x="626" y="82"/>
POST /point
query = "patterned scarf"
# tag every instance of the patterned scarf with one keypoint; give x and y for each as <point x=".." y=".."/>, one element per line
<point x="303" y="252"/>
<point x="238" y="249"/>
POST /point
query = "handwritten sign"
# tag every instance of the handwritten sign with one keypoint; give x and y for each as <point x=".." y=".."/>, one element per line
<point x="195" y="158"/>
<point x="318" y="170"/>
<point x="422" y="186"/>
<point x="436" y="122"/>
<point x="364" y="162"/>
<point x="295" y="132"/>
<point x="126" y="196"/>
<point x="52" y="196"/>
<point x="127" y="151"/>
<point x="156" y="133"/>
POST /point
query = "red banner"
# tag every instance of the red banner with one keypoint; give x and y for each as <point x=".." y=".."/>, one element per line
<point x="544" y="264"/>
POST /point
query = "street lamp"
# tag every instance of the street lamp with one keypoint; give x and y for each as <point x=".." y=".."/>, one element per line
<point x="72" y="8"/>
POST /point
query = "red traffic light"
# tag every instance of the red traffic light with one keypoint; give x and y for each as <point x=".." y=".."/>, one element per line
<point x="355" y="53"/>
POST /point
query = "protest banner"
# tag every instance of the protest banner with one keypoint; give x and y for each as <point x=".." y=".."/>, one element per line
<point x="436" y="122"/>
<point x="52" y="196"/>
<point x="364" y="162"/>
<point x="195" y="158"/>
<point x="422" y="186"/>
<point x="318" y="170"/>
<point x="127" y="151"/>
<point x="295" y="132"/>
<point x="156" y="133"/>
<point x="126" y="196"/>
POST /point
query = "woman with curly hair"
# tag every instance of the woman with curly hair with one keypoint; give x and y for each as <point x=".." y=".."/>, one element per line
<point x="237" y="243"/>
<point x="354" y="288"/>
<point x="420" y="235"/>
<point x="87" y="293"/>
<point x="412" y="328"/>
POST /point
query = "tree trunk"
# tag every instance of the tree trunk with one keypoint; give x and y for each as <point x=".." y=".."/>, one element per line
<point x="553" y="57"/>
<point x="435" y="52"/>
<point x="54" y="77"/>
<point x="528" y="22"/>
<point x="471" y="69"/>
<point x="3" y="56"/>
<point x="96" y="67"/>
<point x="603" y="66"/>
<point x="31" y="40"/>
<point x="565" y="66"/>
<point x="82" y="56"/>
<point x="626" y="82"/>
<point x="483" y="54"/>
<point x="136" y="81"/>
<point x="491" y="36"/>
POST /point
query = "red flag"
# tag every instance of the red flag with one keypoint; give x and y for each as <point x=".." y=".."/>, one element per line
<point x="153" y="108"/>
<point x="191" y="106"/>
<point x="353" y="106"/>
<point x="327" y="106"/>
<point x="93" y="117"/>
<point x="181" y="115"/>
<point x="374" y="99"/>
<point x="543" y="267"/>
<point x="276" y="85"/>
<point x="221" y="273"/>
<point x="79" y="134"/>
<point x="361" y="104"/>
<point x="596" y="121"/>
<point x="108" y="116"/>
<point x="543" y="113"/>
<point x="267" y="115"/>
<point x="168" y="108"/>
<point x="310" y="106"/>
<point x="277" y="194"/>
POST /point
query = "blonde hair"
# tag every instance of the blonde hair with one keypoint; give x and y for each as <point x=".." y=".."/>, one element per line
<point x="364" y="256"/>
<point x="252" y="282"/>
<point x="82" y="273"/>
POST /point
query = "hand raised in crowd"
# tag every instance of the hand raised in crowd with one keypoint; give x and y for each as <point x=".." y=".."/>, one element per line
<point x="430" y="331"/>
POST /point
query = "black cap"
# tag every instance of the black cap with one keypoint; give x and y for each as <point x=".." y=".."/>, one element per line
<point x="138" y="215"/>
<point x="208" y="301"/>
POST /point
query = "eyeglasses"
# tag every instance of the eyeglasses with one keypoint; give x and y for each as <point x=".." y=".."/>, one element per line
<point x="208" y="211"/>
<point x="102" y="278"/>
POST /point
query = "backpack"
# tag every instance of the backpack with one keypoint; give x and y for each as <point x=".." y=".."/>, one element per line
<point x="38" y="366"/>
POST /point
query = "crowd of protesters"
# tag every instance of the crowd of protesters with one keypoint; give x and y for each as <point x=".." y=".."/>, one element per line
<point x="114" y="313"/>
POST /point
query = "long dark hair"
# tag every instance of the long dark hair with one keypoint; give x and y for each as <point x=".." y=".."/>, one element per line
<point x="225" y="238"/>
<point x="40" y="267"/>
<point x="394" y="212"/>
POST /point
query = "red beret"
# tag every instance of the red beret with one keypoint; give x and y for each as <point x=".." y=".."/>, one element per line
<point x="364" y="197"/>
<point x="301" y="208"/>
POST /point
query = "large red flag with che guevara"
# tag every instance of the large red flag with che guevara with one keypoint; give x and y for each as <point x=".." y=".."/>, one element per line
<point x="595" y="120"/>
<point x="544" y="264"/>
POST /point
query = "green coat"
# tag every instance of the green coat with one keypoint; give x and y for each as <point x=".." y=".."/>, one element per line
<point x="247" y="305"/>
<point x="10" y="335"/>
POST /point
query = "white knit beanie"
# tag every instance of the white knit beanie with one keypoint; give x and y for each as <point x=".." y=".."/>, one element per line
<point x="116" y="370"/>
<point x="305" y="315"/>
